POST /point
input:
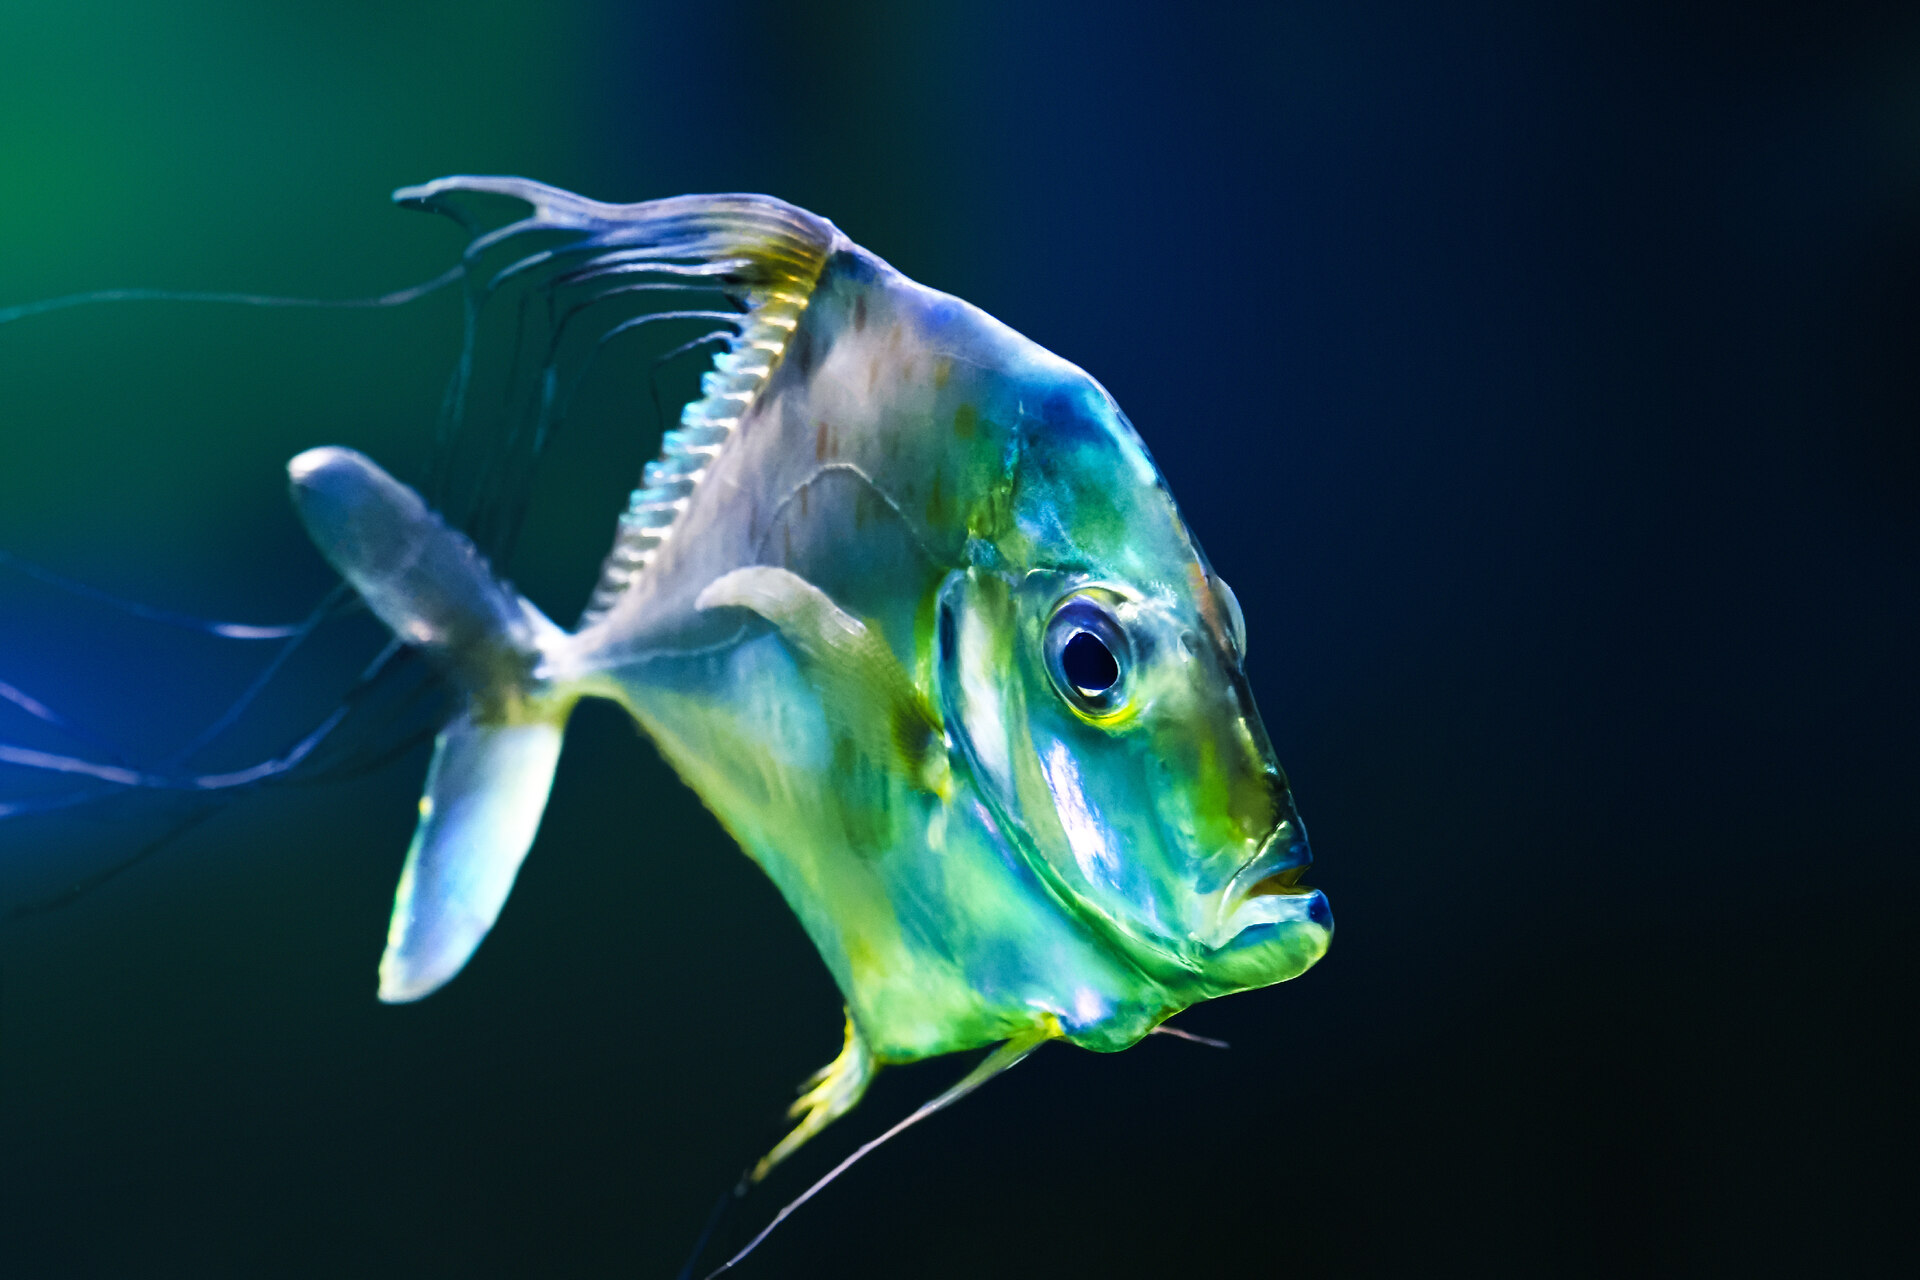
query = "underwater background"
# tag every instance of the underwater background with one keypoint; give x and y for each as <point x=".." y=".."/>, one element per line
<point x="1544" y="378"/>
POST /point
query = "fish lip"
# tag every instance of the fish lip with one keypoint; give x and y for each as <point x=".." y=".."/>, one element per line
<point x="1273" y="872"/>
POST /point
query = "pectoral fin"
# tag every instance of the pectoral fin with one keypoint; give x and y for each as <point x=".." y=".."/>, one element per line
<point x="866" y="692"/>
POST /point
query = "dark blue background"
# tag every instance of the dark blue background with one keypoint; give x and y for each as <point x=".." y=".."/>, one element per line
<point x="1545" y="379"/>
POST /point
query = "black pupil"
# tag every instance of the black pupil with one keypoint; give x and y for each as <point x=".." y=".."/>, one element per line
<point x="1088" y="664"/>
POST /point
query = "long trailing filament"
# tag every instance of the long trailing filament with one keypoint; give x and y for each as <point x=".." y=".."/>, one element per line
<point x="763" y="255"/>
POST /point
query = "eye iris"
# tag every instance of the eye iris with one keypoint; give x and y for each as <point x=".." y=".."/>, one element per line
<point x="1088" y="664"/>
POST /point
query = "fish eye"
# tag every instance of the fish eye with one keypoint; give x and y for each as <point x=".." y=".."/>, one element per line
<point x="1087" y="656"/>
<point x="1089" y="665"/>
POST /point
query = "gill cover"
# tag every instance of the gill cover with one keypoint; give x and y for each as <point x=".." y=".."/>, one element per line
<point x="979" y="704"/>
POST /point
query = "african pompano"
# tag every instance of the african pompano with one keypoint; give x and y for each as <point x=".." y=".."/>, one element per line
<point x="906" y="602"/>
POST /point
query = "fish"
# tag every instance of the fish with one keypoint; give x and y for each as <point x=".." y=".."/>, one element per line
<point x="906" y="602"/>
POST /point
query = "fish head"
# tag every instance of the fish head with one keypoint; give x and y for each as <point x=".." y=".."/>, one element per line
<point x="1102" y="667"/>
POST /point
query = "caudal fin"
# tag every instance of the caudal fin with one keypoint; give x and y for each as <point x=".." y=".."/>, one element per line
<point x="493" y="763"/>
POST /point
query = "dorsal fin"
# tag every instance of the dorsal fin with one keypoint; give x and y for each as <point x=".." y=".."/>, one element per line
<point x="764" y="254"/>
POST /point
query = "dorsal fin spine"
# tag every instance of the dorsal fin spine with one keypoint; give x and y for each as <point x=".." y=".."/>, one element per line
<point x="763" y="254"/>
<point x="727" y="391"/>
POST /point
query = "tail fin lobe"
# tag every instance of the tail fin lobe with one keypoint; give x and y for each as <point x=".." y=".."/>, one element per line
<point x="486" y="790"/>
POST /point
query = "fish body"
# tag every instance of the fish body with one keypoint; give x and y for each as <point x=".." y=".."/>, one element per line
<point x="907" y="603"/>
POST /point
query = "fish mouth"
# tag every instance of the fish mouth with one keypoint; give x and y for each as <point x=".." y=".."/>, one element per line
<point x="1283" y="858"/>
<point x="1287" y="881"/>
<point x="1267" y="889"/>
